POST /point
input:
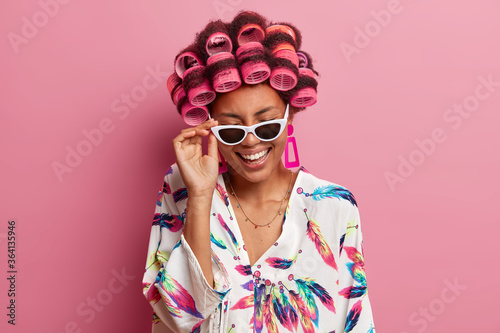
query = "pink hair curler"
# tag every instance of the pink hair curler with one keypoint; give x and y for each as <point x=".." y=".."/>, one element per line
<point x="250" y="32"/>
<point x="303" y="62"/>
<point x="304" y="97"/>
<point x="218" y="42"/>
<point x="201" y="94"/>
<point x="225" y="79"/>
<point x="185" y="61"/>
<point x="286" y="53"/>
<point x="174" y="86"/>
<point x="194" y="115"/>
<point x="283" y="79"/>
<point x="178" y="94"/>
<point x="253" y="72"/>
<point x="306" y="72"/>
<point x="280" y="28"/>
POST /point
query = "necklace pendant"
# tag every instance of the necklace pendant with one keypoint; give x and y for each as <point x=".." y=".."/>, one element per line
<point x="256" y="226"/>
<point x="269" y="226"/>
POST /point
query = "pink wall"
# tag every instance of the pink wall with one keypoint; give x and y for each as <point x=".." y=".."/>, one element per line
<point x="386" y="125"/>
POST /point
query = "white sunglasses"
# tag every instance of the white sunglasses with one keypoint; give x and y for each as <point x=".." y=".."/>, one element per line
<point x="264" y="131"/>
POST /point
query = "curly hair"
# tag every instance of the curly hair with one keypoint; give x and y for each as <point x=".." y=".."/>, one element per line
<point x="247" y="50"/>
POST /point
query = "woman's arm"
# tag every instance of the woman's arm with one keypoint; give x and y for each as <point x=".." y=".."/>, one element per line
<point x="199" y="173"/>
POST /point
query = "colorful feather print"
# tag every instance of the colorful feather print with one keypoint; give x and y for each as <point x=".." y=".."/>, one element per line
<point x="319" y="241"/>
<point x="244" y="269"/>
<point x="353" y="291"/>
<point x="248" y="285"/>
<point x="308" y="298"/>
<point x="280" y="308"/>
<point x="180" y="194"/>
<point x="331" y="191"/>
<point x="158" y="198"/>
<point x="353" y="316"/>
<point x="170" y="171"/>
<point x="172" y="309"/>
<point x="244" y="302"/>
<point x="197" y="328"/>
<point x="173" y="223"/>
<point x="355" y="255"/>
<point x="151" y="293"/>
<point x="302" y="312"/>
<point x="357" y="273"/>
<point x="217" y="241"/>
<point x="341" y="244"/>
<point x="271" y="325"/>
<point x="223" y="196"/>
<point x="166" y="188"/>
<point x="230" y="233"/>
<point x="351" y="227"/>
<point x="321" y="293"/>
<point x="259" y="294"/>
<point x="179" y="295"/>
<point x="281" y="263"/>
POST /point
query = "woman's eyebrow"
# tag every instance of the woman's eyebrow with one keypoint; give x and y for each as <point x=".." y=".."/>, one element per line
<point x="237" y="116"/>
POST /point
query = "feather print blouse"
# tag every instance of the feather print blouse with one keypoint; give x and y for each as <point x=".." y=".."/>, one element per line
<point x="311" y="280"/>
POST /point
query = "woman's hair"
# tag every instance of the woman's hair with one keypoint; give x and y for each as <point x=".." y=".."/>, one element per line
<point x="248" y="50"/>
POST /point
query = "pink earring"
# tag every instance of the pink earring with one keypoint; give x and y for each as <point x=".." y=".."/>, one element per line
<point x="291" y="140"/>
<point x="222" y="164"/>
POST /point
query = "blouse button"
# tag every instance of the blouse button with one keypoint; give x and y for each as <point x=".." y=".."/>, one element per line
<point x="257" y="274"/>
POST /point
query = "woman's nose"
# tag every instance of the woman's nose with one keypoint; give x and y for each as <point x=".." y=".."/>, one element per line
<point x="250" y="140"/>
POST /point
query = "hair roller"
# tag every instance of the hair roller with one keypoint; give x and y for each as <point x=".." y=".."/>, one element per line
<point x="222" y="72"/>
<point x="185" y="61"/>
<point x="297" y="36"/>
<point x="253" y="65"/>
<point x="197" y="86"/>
<point x="247" y="27"/>
<point x="280" y="39"/>
<point x="175" y="89"/>
<point x="305" y="93"/>
<point x="218" y="42"/>
<point x="213" y="39"/>
<point x="193" y="115"/>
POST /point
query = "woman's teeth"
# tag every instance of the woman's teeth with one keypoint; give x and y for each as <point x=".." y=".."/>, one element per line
<point x="255" y="157"/>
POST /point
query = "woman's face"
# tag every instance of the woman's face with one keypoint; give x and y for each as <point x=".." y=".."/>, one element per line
<point x="250" y="105"/>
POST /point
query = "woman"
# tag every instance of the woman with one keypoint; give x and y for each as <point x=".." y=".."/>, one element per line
<point x="258" y="248"/>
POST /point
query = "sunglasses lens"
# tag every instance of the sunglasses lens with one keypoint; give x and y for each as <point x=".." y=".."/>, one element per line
<point x="231" y="135"/>
<point x="268" y="132"/>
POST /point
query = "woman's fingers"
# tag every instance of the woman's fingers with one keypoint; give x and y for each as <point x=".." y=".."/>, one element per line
<point x="212" y="146"/>
<point x="200" y="130"/>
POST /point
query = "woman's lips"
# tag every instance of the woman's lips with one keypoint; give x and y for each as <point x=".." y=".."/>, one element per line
<point x="256" y="158"/>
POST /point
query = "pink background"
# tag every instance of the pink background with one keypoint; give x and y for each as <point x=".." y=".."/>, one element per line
<point x="436" y="226"/>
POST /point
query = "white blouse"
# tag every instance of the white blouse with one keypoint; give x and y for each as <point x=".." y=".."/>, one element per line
<point x="311" y="280"/>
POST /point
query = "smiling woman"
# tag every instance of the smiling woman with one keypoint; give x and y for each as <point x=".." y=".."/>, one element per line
<point x="256" y="247"/>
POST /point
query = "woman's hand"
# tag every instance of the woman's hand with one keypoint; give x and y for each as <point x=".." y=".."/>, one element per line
<point x="199" y="172"/>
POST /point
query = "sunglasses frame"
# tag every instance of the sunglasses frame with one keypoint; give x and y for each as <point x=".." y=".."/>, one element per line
<point x="251" y="129"/>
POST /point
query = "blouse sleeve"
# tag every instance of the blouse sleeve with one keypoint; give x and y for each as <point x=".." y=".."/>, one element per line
<point x="173" y="282"/>
<point x="353" y="302"/>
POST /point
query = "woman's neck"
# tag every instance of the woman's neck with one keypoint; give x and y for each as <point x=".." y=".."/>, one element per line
<point x="271" y="188"/>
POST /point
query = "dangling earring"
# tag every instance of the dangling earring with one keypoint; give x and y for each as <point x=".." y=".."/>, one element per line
<point x="222" y="164"/>
<point x="291" y="140"/>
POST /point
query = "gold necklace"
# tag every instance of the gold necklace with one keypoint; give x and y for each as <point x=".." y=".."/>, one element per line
<point x="279" y="209"/>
